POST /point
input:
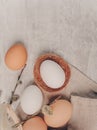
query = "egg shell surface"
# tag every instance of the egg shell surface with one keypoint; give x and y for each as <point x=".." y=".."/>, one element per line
<point x="52" y="74"/>
<point x="62" y="111"/>
<point x="16" y="56"/>
<point x="35" y="123"/>
<point x="31" y="100"/>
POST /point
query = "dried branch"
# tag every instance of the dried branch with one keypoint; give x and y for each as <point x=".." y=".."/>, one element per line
<point x="13" y="96"/>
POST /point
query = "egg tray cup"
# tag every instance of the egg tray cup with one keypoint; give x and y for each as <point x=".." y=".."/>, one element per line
<point x="63" y="64"/>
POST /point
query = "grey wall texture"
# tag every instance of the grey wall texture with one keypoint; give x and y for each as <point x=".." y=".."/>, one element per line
<point x="66" y="27"/>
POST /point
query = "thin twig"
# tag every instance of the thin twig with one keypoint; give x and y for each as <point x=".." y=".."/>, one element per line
<point x="17" y="83"/>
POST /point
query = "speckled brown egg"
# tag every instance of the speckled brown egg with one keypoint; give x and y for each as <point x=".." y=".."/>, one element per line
<point x="61" y="113"/>
<point x="16" y="56"/>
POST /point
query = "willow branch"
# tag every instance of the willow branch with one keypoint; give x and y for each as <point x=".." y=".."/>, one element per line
<point x="17" y="83"/>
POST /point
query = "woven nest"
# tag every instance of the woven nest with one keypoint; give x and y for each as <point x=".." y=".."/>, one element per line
<point x="37" y="76"/>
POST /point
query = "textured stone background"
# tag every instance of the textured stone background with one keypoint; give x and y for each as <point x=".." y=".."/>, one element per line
<point x="66" y="27"/>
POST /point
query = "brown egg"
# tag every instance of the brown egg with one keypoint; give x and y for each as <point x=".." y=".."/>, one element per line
<point x="61" y="111"/>
<point x="35" y="123"/>
<point x="16" y="57"/>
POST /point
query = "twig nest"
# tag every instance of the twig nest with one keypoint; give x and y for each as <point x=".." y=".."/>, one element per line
<point x="51" y="72"/>
<point x="35" y="123"/>
<point x="58" y="113"/>
<point x="31" y="100"/>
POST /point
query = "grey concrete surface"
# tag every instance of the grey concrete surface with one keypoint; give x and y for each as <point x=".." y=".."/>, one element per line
<point x="66" y="27"/>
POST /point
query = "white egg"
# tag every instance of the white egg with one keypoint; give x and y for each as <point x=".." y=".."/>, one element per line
<point x="31" y="100"/>
<point x="52" y="74"/>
